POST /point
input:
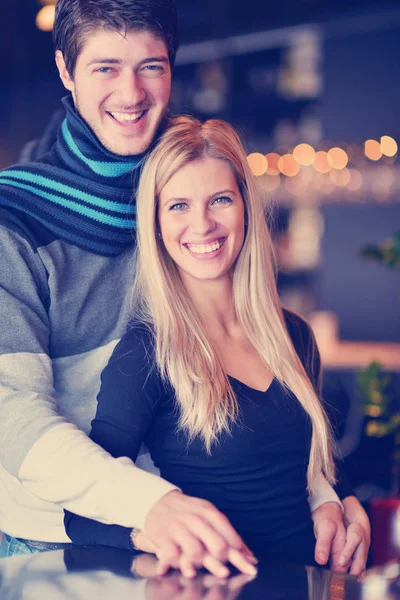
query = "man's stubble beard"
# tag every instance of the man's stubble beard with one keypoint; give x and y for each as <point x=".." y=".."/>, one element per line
<point x="102" y="139"/>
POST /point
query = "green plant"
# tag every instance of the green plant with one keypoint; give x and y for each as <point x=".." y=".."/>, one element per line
<point x="387" y="252"/>
<point x="374" y="386"/>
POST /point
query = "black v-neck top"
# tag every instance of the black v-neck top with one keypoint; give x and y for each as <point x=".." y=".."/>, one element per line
<point x="256" y="475"/>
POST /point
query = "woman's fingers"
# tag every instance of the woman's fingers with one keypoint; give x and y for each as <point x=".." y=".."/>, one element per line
<point x="190" y="545"/>
<point x="168" y="556"/>
<point x="187" y="567"/>
<point x="215" y="567"/>
<point x="241" y="562"/>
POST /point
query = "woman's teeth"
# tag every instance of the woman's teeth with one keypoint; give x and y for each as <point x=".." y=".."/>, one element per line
<point x="204" y="248"/>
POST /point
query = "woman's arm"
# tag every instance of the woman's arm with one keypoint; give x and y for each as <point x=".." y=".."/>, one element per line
<point x="351" y="550"/>
<point x="307" y="350"/>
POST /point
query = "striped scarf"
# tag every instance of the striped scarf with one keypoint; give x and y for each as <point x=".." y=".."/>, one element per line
<point x="80" y="191"/>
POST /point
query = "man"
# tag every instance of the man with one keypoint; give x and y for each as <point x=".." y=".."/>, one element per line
<point x="66" y="243"/>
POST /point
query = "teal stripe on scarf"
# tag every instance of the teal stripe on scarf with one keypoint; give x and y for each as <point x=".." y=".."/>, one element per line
<point x="8" y="177"/>
<point x="106" y="169"/>
<point x="91" y="213"/>
<point x="102" y="247"/>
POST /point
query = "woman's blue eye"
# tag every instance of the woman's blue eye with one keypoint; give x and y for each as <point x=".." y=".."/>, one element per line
<point x="178" y="206"/>
<point x="222" y="200"/>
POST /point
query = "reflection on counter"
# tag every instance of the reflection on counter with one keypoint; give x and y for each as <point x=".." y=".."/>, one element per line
<point x="87" y="573"/>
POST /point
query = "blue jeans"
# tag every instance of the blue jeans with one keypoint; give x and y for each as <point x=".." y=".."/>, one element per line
<point x="10" y="546"/>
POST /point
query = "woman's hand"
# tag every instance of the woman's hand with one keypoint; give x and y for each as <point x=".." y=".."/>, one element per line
<point x="191" y="533"/>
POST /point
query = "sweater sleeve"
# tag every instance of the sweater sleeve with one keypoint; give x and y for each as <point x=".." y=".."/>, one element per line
<point x="306" y="347"/>
<point x="43" y="452"/>
<point x="129" y="391"/>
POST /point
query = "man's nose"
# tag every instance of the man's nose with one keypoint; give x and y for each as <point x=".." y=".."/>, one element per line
<point x="131" y="90"/>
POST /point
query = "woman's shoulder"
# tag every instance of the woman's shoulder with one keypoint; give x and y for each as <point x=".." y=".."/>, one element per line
<point x="304" y="343"/>
<point x="298" y="328"/>
<point x="136" y="346"/>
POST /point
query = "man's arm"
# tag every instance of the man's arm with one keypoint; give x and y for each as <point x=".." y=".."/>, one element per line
<point x="49" y="456"/>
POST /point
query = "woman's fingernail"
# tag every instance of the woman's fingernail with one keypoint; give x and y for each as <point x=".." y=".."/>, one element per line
<point x="223" y="572"/>
<point x="342" y="561"/>
<point x="253" y="559"/>
<point x="251" y="570"/>
<point x="189" y="574"/>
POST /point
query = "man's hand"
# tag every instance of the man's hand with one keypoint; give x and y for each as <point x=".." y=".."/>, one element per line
<point x="346" y="548"/>
<point x="330" y="533"/>
<point x="358" y="536"/>
<point x="189" y="532"/>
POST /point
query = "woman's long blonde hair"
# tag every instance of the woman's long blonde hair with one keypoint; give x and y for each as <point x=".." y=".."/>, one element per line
<point x="184" y="353"/>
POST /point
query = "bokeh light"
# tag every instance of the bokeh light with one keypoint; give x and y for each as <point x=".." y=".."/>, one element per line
<point x="356" y="180"/>
<point x="304" y="154"/>
<point x="270" y="183"/>
<point x="288" y="165"/>
<point x="272" y="159"/>
<point x="45" y="17"/>
<point x="337" y="158"/>
<point x="341" y="177"/>
<point x="372" y="149"/>
<point x="258" y="163"/>
<point x="388" y="145"/>
<point x="321" y="163"/>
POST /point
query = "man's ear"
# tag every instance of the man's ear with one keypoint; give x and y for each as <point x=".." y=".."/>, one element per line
<point x="63" y="71"/>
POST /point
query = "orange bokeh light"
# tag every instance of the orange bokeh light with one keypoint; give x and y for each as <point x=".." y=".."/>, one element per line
<point x="257" y="163"/>
<point x="388" y="145"/>
<point x="372" y="150"/>
<point x="340" y="177"/>
<point x="321" y="163"/>
<point x="304" y="154"/>
<point x="356" y="180"/>
<point x="288" y="165"/>
<point x="337" y="158"/>
<point x="272" y="159"/>
<point x="45" y="17"/>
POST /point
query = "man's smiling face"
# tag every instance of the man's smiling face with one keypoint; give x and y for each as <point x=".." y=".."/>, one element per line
<point x="121" y="87"/>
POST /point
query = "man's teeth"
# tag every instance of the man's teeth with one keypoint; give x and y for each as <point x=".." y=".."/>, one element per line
<point x="127" y="117"/>
<point x="204" y="248"/>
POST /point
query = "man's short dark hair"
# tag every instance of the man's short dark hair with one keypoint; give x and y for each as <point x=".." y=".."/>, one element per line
<point x="76" y="18"/>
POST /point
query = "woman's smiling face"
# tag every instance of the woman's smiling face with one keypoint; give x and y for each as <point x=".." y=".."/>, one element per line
<point x="201" y="215"/>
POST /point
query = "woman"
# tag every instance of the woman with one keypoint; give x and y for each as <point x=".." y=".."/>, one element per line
<point x="217" y="381"/>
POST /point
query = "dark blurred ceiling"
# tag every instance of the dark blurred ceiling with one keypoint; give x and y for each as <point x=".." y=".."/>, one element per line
<point x="217" y="18"/>
<point x="24" y="50"/>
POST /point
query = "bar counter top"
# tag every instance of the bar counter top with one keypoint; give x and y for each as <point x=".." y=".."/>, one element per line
<point x="105" y="573"/>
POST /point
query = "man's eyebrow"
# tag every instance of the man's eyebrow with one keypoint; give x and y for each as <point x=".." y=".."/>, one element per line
<point x="163" y="59"/>
<point x="104" y="61"/>
<point x="118" y="61"/>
